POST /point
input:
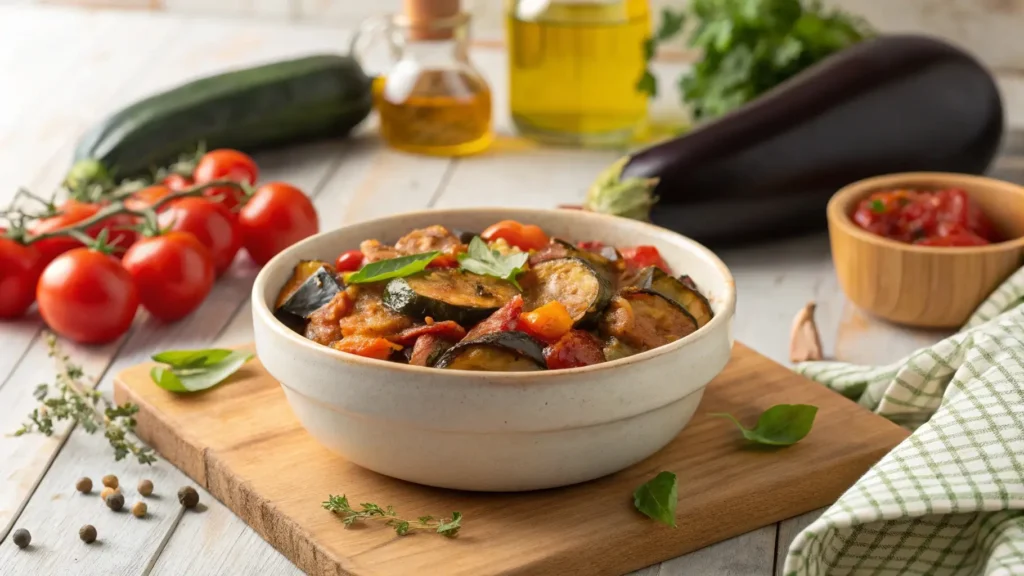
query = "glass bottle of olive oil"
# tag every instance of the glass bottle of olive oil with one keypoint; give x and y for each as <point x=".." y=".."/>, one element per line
<point x="573" y="69"/>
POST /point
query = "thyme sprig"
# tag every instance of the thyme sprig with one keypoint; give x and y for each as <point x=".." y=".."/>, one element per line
<point x="75" y="400"/>
<point x="448" y="527"/>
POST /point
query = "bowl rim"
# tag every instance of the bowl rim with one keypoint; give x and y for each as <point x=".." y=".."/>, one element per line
<point x="838" y="209"/>
<point x="718" y="322"/>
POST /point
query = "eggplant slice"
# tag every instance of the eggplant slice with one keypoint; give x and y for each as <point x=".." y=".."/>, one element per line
<point x="448" y="294"/>
<point x="654" y="278"/>
<point x="645" y="319"/>
<point x="496" y="352"/>
<point x="572" y="281"/>
<point x="609" y="262"/>
<point x="312" y="285"/>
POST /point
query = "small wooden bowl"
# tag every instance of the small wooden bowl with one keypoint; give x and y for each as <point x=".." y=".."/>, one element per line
<point x="933" y="287"/>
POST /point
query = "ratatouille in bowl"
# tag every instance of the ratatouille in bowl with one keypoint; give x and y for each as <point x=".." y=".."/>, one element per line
<point x="490" y="349"/>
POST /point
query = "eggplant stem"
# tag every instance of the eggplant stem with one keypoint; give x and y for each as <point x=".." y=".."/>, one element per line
<point x="630" y="198"/>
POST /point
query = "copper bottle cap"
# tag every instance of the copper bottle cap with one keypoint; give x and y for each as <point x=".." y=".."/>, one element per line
<point x="430" y="19"/>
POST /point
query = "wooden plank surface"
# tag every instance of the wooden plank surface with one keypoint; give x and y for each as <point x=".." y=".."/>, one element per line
<point x="105" y="59"/>
<point x="242" y="442"/>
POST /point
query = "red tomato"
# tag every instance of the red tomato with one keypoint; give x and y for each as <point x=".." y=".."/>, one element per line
<point x="225" y="164"/>
<point x="20" y="267"/>
<point x="644" y="256"/>
<point x="210" y="222"/>
<point x="173" y="273"/>
<point x="72" y="212"/>
<point x="147" y="197"/>
<point x="277" y="216"/>
<point x="349" y="261"/>
<point x="177" y="182"/>
<point x="87" y="296"/>
<point x="522" y="236"/>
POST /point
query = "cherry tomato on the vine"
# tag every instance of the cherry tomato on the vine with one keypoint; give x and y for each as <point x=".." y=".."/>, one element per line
<point x="20" y="267"/>
<point x="173" y="273"/>
<point x="177" y="182"/>
<point x="147" y="197"/>
<point x="277" y="216"/>
<point x="522" y="236"/>
<point x="225" y="164"/>
<point x="210" y="222"/>
<point x="86" y="295"/>
<point x="71" y="213"/>
<point x="349" y="261"/>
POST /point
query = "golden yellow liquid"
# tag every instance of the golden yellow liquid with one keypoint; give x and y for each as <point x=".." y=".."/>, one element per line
<point x="447" y="113"/>
<point x="573" y="72"/>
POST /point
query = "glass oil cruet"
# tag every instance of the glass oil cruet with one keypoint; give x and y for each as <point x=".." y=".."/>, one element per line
<point x="574" y="67"/>
<point x="431" y="100"/>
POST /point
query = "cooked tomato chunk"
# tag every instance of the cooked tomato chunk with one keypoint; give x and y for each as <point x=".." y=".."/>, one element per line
<point x="428" y="348"/>
<point x="324" y="326"/>
<point x="576" y="348"/>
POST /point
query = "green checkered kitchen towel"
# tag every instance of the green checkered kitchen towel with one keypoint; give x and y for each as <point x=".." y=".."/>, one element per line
<point x="949" y="500"/>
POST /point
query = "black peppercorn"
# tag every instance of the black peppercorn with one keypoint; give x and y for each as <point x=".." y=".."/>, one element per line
<point x="188" y="497"/>
<point x="87" y="533"/>
<point x="22" y="538"/>
<point x="115" y="501"/>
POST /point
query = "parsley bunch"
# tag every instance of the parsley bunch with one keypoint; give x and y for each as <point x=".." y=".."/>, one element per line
<point x="751" y="46"/>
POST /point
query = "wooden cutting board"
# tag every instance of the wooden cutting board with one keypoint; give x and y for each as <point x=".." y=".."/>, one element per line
<point x="243" y="444"/>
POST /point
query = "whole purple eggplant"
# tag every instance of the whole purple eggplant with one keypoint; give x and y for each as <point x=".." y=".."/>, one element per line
<point x="889" y="104"/>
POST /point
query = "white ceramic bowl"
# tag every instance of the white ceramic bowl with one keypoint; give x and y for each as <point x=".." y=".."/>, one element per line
<point x="497" y="431"/>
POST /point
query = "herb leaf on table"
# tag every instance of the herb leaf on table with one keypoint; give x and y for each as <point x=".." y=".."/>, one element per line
<point x="480" y="259"/>
<point x="73" y="397"/>
<point x="780" y="425"/>
<point x="195" y="370"/>
<point x="448" y="527"/>
<point x="392" y="268"/>
<point x="658" y="498"/>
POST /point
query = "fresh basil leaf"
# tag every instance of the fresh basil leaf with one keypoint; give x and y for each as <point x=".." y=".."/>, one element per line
<point x="196" y="378"/>
<point x="480" y="259"/>
<point x="191" y="358"/>
<point x="780" y="425"/>
<point x="657" y="499"/>
<point x="392" y="268"/>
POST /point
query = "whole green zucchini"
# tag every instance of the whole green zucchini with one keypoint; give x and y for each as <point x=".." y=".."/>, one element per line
<point x="249" y="110"/>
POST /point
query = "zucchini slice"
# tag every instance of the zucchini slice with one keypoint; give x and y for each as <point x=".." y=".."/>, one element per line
<point x="609" y="262"/>
<point x="654" y="278"/>
<point x="572" y="281"/>
<point x="448" y="294"/>
<point x="496" y="352"/>
<point x="313" y="284"/>
<point x="645" y="319"/>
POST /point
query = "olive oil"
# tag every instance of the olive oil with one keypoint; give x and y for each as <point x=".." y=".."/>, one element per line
<point x="446" y="113"/>
<point x="573" y="70"/>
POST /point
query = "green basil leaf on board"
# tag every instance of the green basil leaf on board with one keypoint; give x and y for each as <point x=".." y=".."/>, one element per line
<point x="392" y="268"/>
<point x="780" y="425"/>
<point x="196" y="372"/>
<point x="191" y="358"/>
<point x="480" y="259"/>
<point x="658" y="498"/>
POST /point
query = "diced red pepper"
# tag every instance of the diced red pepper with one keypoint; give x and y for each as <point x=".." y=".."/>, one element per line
<point x="522" y="236"/>
<point x="644" y="256"/>
<point x="505" y="319"/>
<point x="427" y="349"/>
<point x="366" y="346"/>
<point x="448" y="330"/>
<point x="577" y="348"/>
<point x="547" y="323"/>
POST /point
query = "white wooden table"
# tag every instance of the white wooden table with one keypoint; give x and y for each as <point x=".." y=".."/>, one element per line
<point x="62" y="69"/>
